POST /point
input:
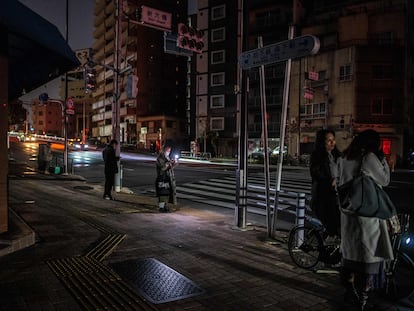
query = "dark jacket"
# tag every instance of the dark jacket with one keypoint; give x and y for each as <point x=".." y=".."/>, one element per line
<point x="324" y="200"/>
<point x="108" y="155"/>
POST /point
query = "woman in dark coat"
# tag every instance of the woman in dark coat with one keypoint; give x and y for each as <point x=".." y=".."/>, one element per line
<point x="324" y="169"/>
<point x="111" y="167"/>
<point x="165" y="172"/>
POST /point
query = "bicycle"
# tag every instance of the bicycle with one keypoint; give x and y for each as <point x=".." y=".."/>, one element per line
<point x="400" y="271"/>
<point x="308" y="245"/>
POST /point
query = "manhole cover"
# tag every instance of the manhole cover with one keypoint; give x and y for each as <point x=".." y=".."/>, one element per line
<point x="155" y="281"/>
<point x="83" y="187"/>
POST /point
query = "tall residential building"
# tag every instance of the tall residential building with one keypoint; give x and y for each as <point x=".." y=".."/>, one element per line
<point x="215" y="74"/>
<point x="156" y="114"/>
<point x="362" y="77"/>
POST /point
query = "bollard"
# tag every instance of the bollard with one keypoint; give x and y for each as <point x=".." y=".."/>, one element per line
<point x="121" y="169"/>
<point x="300" y="217"/>
<point x="300" y="210"/>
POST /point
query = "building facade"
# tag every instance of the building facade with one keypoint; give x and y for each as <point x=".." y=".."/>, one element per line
<point x="159" y="78"/>
<point x="362" y="77"/>
<point x="215" y="92"/>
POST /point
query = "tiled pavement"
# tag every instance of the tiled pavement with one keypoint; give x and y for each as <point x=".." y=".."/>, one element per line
<point x="237" y="269"/>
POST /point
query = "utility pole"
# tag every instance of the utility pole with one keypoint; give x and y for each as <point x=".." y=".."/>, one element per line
<point x="116" y="119"/>
<point x="241" y="174"/>
<point x="65" y="116"/>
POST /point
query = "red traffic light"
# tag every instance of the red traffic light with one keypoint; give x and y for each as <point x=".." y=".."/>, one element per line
<point x="189" y="38"/>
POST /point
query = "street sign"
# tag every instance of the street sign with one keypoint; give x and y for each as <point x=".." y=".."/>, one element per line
<point x="279" y="52"/>
<point x="155" y="18"/>
<point x="70" y="106"/>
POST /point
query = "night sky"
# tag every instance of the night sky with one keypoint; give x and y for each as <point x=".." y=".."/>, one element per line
<point x="80" y="18"/>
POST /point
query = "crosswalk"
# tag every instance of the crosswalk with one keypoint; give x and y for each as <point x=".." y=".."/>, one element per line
<point x="221" y="192"/>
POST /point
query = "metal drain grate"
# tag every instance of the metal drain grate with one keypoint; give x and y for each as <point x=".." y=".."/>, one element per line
<point x="155" y="281"/>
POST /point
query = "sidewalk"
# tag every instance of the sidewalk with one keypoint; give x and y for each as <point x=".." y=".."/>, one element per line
<point x="89" y="254"/>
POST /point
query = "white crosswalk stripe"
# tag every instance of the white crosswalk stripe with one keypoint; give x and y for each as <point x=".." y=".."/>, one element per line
<point x="221" y="192"/>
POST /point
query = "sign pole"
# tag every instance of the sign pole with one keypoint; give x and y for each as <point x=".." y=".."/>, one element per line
<point x="282" y="135"/>
<point x="265" y="138"/>
<point x="241" y="174"/>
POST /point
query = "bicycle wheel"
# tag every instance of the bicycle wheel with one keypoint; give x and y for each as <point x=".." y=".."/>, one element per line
<point x="401" y="284"/>
<point x="305" y="245"/>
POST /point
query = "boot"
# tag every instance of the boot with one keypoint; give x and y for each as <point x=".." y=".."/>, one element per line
<point x="351" y="299"/>
<point x="363" y="300"/>
<point x="363" y="285"/>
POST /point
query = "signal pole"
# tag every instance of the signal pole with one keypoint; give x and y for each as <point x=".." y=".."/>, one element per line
<point x="116" y="119"/>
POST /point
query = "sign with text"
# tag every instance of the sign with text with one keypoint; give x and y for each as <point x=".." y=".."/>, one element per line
<point x="279" y="52"/>
<point x="155" y="18"/>
<point x="313" y="75"/>
<point x="70" y="106"/>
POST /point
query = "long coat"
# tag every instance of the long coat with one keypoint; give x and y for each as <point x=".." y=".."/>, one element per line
<point x="324" y="201"/>
<point x="365" y="240"/>
<point x="110" y="159"/>
<point x="165" y="166"/>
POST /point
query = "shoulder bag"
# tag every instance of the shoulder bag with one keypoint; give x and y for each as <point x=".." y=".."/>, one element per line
<point x="363" y="197"/>
<point x="162" y="185"/>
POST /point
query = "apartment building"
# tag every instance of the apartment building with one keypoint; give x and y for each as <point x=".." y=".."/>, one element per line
<point x="362" y="77"/>
<point x="215" y="78"/>
<point x="160" y="78"/>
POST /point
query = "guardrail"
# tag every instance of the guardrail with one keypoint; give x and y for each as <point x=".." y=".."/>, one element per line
<point x="195" y="156"/>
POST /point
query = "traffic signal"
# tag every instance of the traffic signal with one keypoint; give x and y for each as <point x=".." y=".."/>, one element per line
<point x="90" y="79"/>
<point x="190" y="38"/>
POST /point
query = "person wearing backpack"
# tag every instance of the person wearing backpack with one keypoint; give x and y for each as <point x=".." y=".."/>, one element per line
<point x="324" y="169"/>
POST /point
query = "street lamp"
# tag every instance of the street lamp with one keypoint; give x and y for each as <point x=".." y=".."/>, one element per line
<point x="44" y="99"/>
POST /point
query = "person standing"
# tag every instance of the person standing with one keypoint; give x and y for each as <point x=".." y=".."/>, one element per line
<point x="365" y="241"/>
<point x="324" y="169"/>
<point x="44" y="156"/>
<point x="165" y="181"/>
<point x="111" y="168"/>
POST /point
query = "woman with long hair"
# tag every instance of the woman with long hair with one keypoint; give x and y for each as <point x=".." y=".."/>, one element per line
<point x="324" y="168"/>
<point x="365" y="241"/>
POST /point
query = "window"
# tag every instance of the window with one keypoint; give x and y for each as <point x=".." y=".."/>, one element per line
<point x="217" y="101"/>
<point x="345" y="72"/>
<point x="384" y="38"/>
<point x="313" y="111"/>
<point x="381" y="106"/>
<point x="217" y="124"/>
<point x="382" y="72"/>
<point x="217" y="57"/>
<point x="218" y="34"/>
<point x="218" y="12"/>
<point x="217" y="79"/>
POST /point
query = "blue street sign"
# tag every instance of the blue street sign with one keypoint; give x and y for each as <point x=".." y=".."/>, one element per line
<point x="279" y="52"/>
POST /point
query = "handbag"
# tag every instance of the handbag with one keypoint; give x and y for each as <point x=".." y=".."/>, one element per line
<point x="162" y="185"/>
<point x="363" y="197"/>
